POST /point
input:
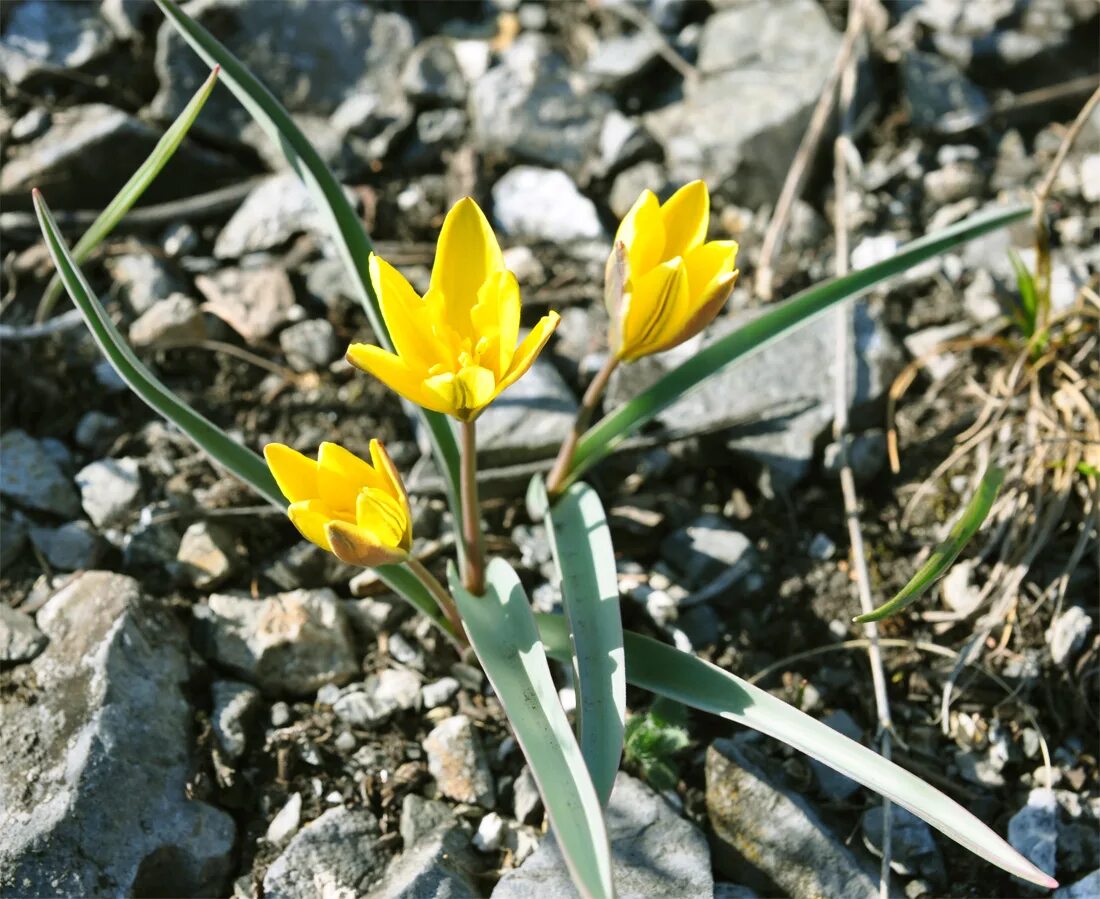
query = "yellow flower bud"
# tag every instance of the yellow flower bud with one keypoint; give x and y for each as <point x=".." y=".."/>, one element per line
<point x="665" y="282"/>
<point x="355" y="509"/>
<point x="457" y="345"/>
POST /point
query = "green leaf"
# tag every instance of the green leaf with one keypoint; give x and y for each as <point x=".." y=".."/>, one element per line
<point x="346" y="229"/>
<point x="602" y="438"/>
<point x="681" y="676"/>
<point x="502" y="631"/>
<point x="132" y="190"/>
<point x="581" y="543"/>
<point x="222" y="448"/>
<point x="1025" y="310"/>
<point x="945" y="554"/>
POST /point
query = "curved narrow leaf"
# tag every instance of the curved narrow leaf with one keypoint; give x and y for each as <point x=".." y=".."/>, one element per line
<point x="945" y="554"/>
<point x="581" y="544"/>
<point x="222" y="448"/>
<point x="502" y="631"/>
<point x="347" y="230"/>
<point x="678" y="675"/>
<point x="602" y="438"/>
<point x="132" y="190"/>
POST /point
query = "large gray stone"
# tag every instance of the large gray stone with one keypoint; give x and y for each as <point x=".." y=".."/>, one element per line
<point x="289" y="643"/>
<point x="89" y="152"/>
<point x="109" y="490"/>
<point x="31" y="478"/>
<point x="1033" y="830"/>
<point x="763" y="63"/>
<point x="312" y="56"/>
<point x="779" y="401"/>
<point x="529" y="107"/>
<point x="69" y="547"/>
<point x="529" y="420"/>
<point x="765" y="833"/>
<point x="654" y="852"/>
<point x="43" y="36"/>
<point x="543" y="204"/>
<point x="338" y="855"/>
<point x="95" y="757"/>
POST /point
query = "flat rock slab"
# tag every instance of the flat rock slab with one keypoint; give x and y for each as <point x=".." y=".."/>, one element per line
<point x="767" y="834"/>
<point x="95" y="757"/>
<point x="655" y="853"/>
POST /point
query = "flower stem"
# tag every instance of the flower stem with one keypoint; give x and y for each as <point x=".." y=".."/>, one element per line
<point x="474" y="574"/>
<point x="442" y="598"/>
<point x="556" y="481"/>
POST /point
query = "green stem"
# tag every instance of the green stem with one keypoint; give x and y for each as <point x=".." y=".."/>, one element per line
<point x="557" y="480"/>
<point x="473" y="576"/>
<point x="443" y="600"/>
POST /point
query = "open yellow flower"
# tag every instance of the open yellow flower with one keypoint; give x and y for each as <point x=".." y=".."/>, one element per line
<point x="355" y="509"/>
<point x="665" y="282"/>
<point x="456" y="345"/>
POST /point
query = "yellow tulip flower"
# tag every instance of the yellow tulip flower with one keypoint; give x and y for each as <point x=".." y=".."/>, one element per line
<point x="665" y="281"/>
<point x="355" y="509"/>
<point x="456" y="345"/>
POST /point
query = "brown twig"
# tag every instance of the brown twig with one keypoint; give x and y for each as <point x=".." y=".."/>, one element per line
<point x="473" y="575"/>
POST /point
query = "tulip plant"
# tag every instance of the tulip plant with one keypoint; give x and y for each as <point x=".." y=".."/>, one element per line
<point x="451" y="352"/>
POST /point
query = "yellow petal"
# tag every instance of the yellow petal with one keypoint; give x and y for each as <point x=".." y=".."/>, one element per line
<point x="496" y="317"/>
<point x="295" y="474"/>
<point x="383" y="464"/>
<point x="686" y="215"/>
<point x="403" y="311"/>
<point x="310" y="517"/>
<point x="704" y="312"/>
<point x="656" y="302"/>
<point x="359" y="547"/>
<point x="378" y="512"/>
<point x="708" y="262"/>
<point x="395" y="373"/>
<point x="467" y="254"/>
<point x="528" y="350"/>
<point x="341" y="475"/>
<point x="466" y="392"/>
<point x="642" y="232"/>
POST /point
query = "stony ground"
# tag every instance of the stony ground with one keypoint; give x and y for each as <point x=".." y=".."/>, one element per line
<point x="197" y="703"/>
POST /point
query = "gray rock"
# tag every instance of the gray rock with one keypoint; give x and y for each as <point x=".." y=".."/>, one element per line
<point x="109" y="490"/>
<point x="286" y="821"/>
<point x="529" y="420"/>
<point x="128" y="18"/>
<point x="733" y="891"/>
<point x="289" y="643"/>
<point x="432" y="73"/>
<point x="338" y="854"/>
<point x="30" y="478"/>
<point x="740" y="126"/>
<point x="439" y="692"/>
<point x="234" y="706"/>
<point x="312" y="57"/>
<point x="309" y="345"/>
<point x="109" y="721"/>
<point x="96" y="429"/>
<point x="458" y="762"/>
<point x="437" y="862"/>
<point x="382" y="695"/>
<point x="623" y="141"/>
<point x="939" y="96"/>
<point x="13" y="538"/>
<point x="913" y="849"/>
<point x="143" y="279"/>
<point x="924" y="344"/>
<point x="836" y="786"/>
<point x="253" y="302"/>
<point x="1088" y="887"/>
<point x="526" y="801"/>
<point x="866" y="454"/>
<point x="629" y="184"/>
<point x="42" y="37"/>
<point x="208" y="554"/>
<point x="273" y="213"/>
<point x="68" y="548"/>
<point x="528" y="107"/>
<point x="654" y="852"/>
<point x="709" y="547"/>
<point x="89" y="151"/>
<point x="20" y="638"/>
<point x="763" y="829"/>
<point x="368" y="123"/>
<point x="543" y="204"/>
<point x="30" y="125"/>
<point x="1033" y="830"/>
<point x="439" y="128"/>
<point x="1067" y="634"/>
<point x="774" y="420"/>
<point x="420" y="816"/>
<point x="619" y="60"/>
<point x="175" y="318"/>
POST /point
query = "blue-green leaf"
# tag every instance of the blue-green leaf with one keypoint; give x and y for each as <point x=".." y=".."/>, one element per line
<point x="502" y="631"/>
